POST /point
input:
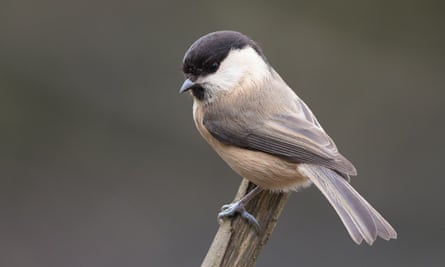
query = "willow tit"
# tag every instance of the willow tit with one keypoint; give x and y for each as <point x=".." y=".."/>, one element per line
<point x="267" y="134"/>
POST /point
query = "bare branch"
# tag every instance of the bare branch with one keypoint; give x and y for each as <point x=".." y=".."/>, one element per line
<point x="237" y="243"/>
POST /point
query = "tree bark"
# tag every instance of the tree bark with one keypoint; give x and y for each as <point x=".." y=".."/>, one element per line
<point x="238" y="243"/>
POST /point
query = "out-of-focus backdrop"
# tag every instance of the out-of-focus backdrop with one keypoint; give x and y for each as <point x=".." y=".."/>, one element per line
<point x="101" y="164"/>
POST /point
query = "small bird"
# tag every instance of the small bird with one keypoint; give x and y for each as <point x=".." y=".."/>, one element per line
<point x="258" y="125"/>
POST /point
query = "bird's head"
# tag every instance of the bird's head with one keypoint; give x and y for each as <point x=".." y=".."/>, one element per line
<point x="220" y="62"/>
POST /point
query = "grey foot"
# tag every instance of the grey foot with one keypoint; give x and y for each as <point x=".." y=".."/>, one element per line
<point x="231" y="210"/>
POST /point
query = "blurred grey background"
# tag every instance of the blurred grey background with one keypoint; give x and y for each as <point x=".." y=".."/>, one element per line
<point x="101" y="164"/>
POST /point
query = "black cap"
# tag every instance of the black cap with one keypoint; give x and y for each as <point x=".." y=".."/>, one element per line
<point x="205" y="54"/>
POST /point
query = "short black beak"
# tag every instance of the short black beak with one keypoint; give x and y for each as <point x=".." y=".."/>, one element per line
<point x="187" y="85"/>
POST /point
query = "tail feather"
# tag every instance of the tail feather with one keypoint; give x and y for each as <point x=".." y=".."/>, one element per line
<point x="385" y="230"/>
<point x="361" y="220"/>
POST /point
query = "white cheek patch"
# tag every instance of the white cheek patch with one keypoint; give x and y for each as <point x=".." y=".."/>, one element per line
<point x="227" y="77"/>
<point x="240" y="66"/>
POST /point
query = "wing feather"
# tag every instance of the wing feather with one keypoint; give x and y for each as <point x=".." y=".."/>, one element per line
<point x="295" y="136"/>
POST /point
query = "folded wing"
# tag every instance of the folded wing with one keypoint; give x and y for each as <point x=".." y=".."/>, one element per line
<point x="295" y="136"/>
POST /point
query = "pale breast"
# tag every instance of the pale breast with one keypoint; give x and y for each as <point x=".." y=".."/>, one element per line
<point x="262" y="169"/>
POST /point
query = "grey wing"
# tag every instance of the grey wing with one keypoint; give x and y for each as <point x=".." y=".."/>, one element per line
<point x="296" y="137"/>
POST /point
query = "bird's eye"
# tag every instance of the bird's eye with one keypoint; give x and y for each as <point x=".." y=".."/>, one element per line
<point x="187" y="69"/>
<point x="213" y="67"/>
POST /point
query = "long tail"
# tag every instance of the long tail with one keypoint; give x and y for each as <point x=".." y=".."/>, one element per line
<point x="360" y="219"/>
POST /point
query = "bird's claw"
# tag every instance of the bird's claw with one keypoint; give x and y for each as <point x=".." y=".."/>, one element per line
<point x="231" y="210"/>
<point x="225" y="207"/>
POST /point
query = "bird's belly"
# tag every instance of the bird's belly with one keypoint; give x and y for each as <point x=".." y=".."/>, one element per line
<point x="264" y="170"/>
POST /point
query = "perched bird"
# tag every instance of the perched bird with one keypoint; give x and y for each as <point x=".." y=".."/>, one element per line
<point x="267" y="134"/>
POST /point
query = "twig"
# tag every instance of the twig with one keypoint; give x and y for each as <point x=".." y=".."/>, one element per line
<point x="237" y="243"/>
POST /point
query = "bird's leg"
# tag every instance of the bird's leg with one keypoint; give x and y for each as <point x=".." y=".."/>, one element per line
<point x="239" y="207"/>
